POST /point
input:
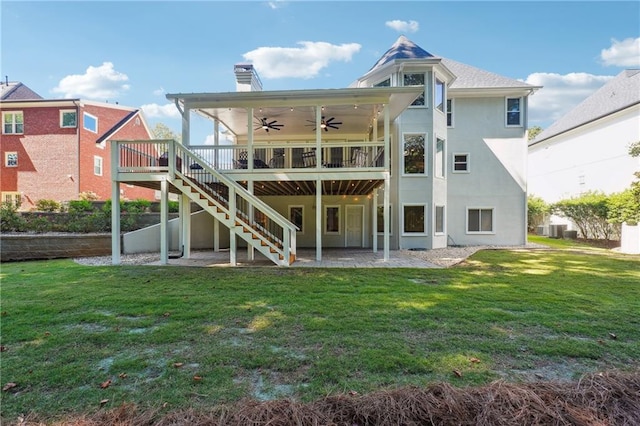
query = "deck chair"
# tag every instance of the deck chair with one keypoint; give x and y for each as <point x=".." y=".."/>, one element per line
<point x="309" y="158"/>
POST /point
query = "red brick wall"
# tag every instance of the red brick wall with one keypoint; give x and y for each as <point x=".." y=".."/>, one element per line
<point x="47" y="158"/>
<point x="57" y="163"/>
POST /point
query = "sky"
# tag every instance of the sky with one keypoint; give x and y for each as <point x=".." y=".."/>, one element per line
<point x="135" y="52"/>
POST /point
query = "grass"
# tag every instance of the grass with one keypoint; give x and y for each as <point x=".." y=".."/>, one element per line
<point x="176" y="337"/>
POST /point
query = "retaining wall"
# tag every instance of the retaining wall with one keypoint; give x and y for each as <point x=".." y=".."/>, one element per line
<point x="15" y="247"/>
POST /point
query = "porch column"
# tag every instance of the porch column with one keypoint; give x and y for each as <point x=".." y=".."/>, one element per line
<point x="186" y="126"/>
<point x="250" y="139"/>
<point x="318" y="220"/>
<point x="216" y="142"/>
<point x="216" y="235"/>
<point x="374" y="217"/>
<point x="318" y="137"/>
<point x="387" y="181"/>
<point x="250" y="250"/>
<point x="232" y="229"/>
<point x="185" y="222"/>
<point x="115" y="223"/>
<point x="164" y="222"/>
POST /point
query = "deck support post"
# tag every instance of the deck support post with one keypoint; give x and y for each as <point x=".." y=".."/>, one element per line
<point x="318" y="220"/>
<point x="164" y="222"/>
<point x="387" y="180"/>
<point x="233" y="246"/>
<point x="115" y="223"/>
<point x="374" y="217"/>
<point x="185" y="222"/>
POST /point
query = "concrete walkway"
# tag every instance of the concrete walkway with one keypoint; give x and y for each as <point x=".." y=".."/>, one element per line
<point x="306" y="258"/>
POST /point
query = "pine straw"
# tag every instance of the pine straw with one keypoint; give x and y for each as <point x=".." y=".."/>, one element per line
<point x="602" y="399"/>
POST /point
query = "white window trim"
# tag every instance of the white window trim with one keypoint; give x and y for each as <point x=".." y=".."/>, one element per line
<point x="444" y="157"/>
<point x="426" y="157"/>
<point x="13" y="197"/>
<point x="390" y="219"/>
<point x="444" y="219"/>
<point x="66" y="111"/>
<point x="6" y="159"/>
<point x="453" y="163"/>
<point x="413" y="234"/>
<point x="13" y="123"/>
<point x="83" y="123"/>
<point x="493" y="221"/>
<point x="506" y="111"/>
<point x="324" y="224"/>
<point x="450" y="112"/>
<point x="97" y="162"/>
<point x="302" y="227"/>
<point x="444" y="95"/>
<point x="424" y="89"/>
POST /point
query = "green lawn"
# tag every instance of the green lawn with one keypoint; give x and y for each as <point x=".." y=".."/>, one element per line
<point x="178" y="337"/>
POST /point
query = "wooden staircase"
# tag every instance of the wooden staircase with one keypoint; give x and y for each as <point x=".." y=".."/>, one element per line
<point x="244" y="214"/>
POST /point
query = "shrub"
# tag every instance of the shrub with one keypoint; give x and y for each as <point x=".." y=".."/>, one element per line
<point x="589" y="212"/>
<point x="537" y="210"/>
<point x="76" y="206"/>
<point x="88" y="196"/>
<point x="48" y="206"/>
<point x="10" y="219"/>
<point x="624" y="207"/>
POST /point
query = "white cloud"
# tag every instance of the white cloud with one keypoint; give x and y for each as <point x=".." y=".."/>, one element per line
<point x="99" y="83"/>
<point x="403" y="26"/>
<point x="299" y="62"/>
<point x="560" y="94"/>
<point x="625" y="53"/>
<point x="160" y="111"/>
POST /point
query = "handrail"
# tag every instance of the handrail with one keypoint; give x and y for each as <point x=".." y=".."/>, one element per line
<point x="239" y="189"/>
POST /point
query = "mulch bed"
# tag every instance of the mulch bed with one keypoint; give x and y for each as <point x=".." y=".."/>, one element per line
<point x="603" y="399"/>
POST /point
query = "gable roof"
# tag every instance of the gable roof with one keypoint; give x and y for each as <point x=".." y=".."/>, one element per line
<point x="619" y="93"/>
<point x="120" y="124"/>
<point x="14" y="90"/>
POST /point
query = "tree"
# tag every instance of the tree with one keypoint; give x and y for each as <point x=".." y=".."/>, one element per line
<point x="162" y="131"/>
<point x="534" y="131"/>
<point x="537" y="210"/>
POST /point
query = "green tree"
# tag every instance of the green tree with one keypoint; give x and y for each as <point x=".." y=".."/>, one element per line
<point x="534" y="131"/>
<point x="537" y="210"/>
<point x="162" y="131"/>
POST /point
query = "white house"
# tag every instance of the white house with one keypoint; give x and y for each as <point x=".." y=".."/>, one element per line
<point x="420" y="152"/>
<point x="588" y="148"/>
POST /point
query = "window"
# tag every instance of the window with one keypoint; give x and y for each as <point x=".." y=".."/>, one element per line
<point x="413" y="219"/>
<point x="13" y="198"/>
<point x="383" y="83"/>
<point x="11" y="159"/>
<point x="332" y="220"/>
<point x="97" y="165"/>
<point x="439" y="166"/>
<point x="514" y="116"/>
<point x="439" y="95"/>
<point x="414" y="159"/>
<point x="415" y="80"/>
<point x="439" y="225"/>
<point x="480" y="220"/>
<point x="380" y="221"/>
<point x="68" y="118"/>
<point x="12" y="123"/>
<point x="460" y="163"/>
<point x="449" y="112"/>
<point x="296" y="215"/>
<point x="90" y="122"/>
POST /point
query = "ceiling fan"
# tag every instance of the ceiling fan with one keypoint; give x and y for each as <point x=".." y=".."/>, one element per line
<point x="266" y="125"/>
<point x="326" y="124"/>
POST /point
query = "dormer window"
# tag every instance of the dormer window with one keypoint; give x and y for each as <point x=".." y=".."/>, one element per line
<point x="415" y="80"/>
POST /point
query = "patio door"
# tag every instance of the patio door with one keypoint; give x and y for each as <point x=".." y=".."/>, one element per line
<point x="354" y="231"/>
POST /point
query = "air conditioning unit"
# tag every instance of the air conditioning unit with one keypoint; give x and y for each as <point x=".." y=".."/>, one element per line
<point x="557" y="231"/>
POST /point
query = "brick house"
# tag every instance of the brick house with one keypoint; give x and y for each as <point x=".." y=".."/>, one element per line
<point x="55" y="149"/>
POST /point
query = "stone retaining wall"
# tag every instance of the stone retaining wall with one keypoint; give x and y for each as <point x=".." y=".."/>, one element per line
<point x="14" y="247"/>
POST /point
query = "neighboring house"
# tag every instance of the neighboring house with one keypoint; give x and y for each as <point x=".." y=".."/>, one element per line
<point x="588" y="148"/>
<point x="419" y="153"/>
<point x="55" y="149"/>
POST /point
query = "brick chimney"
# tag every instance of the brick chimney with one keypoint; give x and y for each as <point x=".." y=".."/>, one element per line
<point x="247" y="79"/>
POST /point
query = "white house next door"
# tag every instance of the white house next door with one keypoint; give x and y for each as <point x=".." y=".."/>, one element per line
<point x="354" y="229"/>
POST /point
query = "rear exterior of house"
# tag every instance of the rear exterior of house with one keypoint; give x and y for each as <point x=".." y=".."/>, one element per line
<point x="419" y="153"/>
<point x="55" y="149"/>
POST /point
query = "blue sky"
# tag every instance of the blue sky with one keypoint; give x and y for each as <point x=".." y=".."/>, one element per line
<point x="134" y="53"/>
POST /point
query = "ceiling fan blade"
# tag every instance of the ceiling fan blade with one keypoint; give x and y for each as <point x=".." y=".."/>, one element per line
<point x="329" y="120"/>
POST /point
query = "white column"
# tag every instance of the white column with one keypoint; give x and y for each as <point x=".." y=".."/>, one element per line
<point x="115" y="223"/>
<point x="374" y="217"/>
<point x="387" y="181"/>
<point x="233" y="255"/>
<point x="186" y="126"/>
<point x="318" y="220"/>
<point x="164" y="222"/>
<point x="216" y="235"/>
<point x="250" y="250"/>
<point x="250" y="139"/>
